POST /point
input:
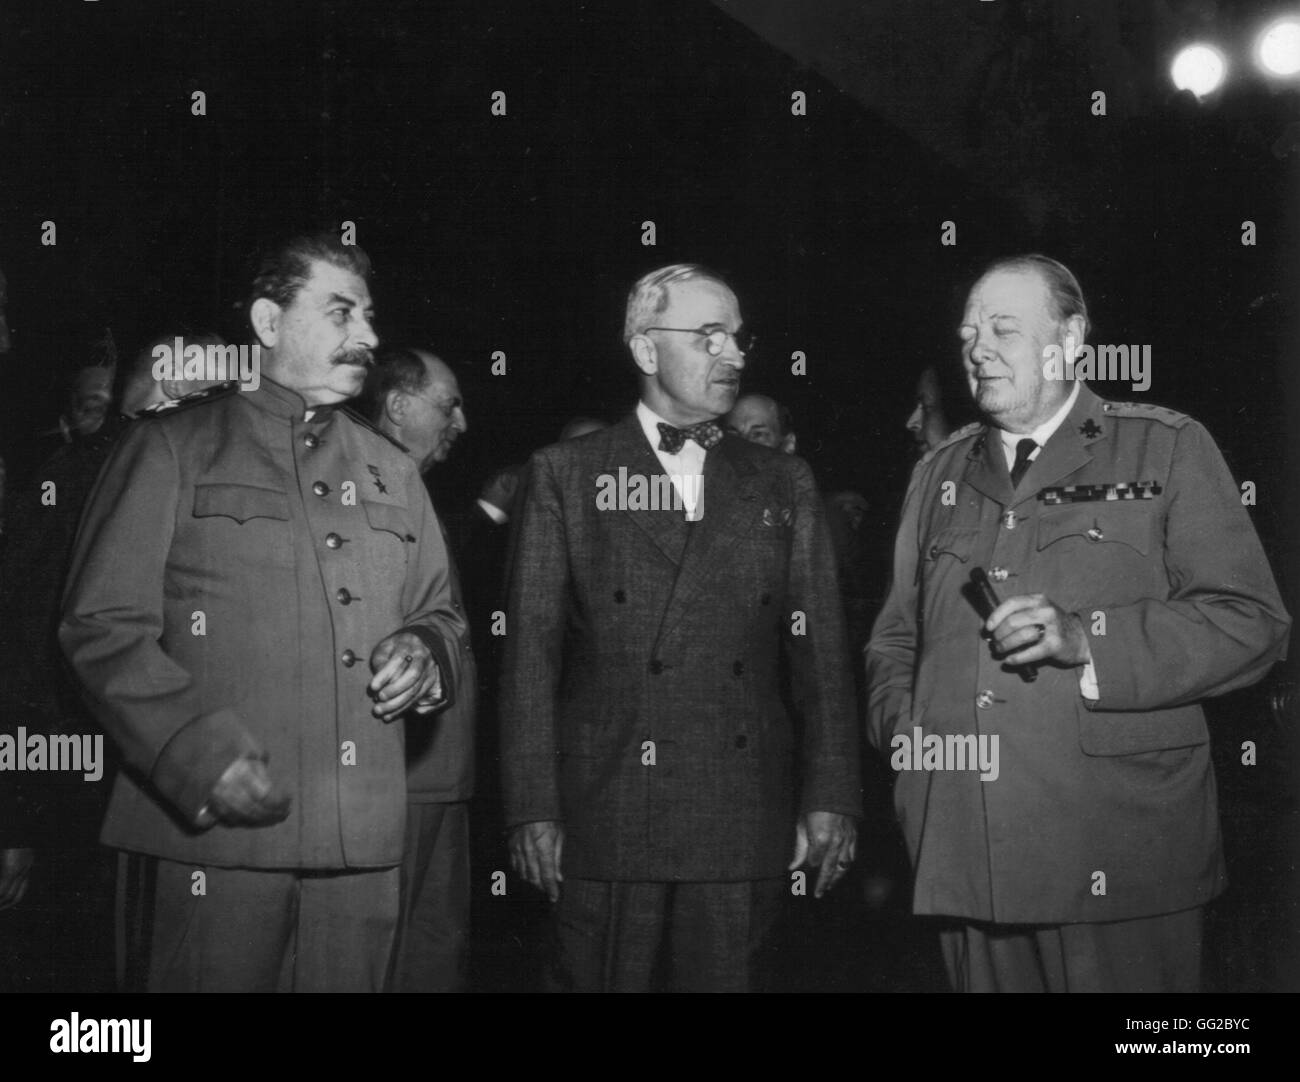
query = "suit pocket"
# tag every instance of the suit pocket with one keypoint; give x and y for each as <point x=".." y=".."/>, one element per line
<point x="240" y="502"/>
<point x="1100" y="526"/>
<point x="390" y="535"/>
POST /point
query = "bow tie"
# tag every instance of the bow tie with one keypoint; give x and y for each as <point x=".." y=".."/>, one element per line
<point x="707" y="434"/>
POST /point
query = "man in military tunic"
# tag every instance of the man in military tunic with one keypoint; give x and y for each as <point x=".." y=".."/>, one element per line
<point x="1132" y="586"/>
<point x="259" y="590"/>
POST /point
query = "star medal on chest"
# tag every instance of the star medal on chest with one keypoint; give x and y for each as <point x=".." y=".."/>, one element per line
<point x="1090" y="429"/>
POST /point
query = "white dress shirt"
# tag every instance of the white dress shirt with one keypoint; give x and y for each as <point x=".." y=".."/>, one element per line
<point x="685" y="469"/>
<point x="1088" y="686"/>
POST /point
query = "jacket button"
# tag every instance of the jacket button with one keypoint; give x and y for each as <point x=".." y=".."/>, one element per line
<point x="742" y="741"/>
<point x="333" y="540"/>
<point x="934" y="552"/>
<point x="656" y="666"/>
<point x="1009" y="520"/>
<point x="311" y="440"/>
<point x="998" y="574"/>
<point x="344" y="596"/>
<point x="737" y="667"/>
<point x="321" y="488"/>
<point x="1095" y="534"/>
<point x="620" y="596"/>
<point x="348" y="658"/>
<point x="984" y="700"/>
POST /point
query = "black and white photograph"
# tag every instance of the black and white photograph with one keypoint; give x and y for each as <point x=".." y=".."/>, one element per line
<point x="654" y="496"/>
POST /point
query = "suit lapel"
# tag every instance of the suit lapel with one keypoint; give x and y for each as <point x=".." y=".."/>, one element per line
<point x="729" y="498"/>
<point x="629" y="449"/>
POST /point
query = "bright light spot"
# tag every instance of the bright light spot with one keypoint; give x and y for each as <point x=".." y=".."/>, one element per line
<point x="1278" y="48"/>
<point x="1199" y="68"/>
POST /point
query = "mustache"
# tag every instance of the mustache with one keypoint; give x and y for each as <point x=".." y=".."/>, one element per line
<point x="360" y="356"/>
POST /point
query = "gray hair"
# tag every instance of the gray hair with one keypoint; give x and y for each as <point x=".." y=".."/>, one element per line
<point x="649" y="298"/>
<point x="1062" y="286"/>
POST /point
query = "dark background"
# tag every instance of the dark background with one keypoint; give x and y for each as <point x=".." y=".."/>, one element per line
<point x="522" y="233"/>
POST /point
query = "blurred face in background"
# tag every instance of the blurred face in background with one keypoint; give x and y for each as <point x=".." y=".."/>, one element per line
<point x="92" y="394"/>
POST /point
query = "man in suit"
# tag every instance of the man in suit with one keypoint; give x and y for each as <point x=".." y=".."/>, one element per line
<point x="761" y="419"/>
<point x="1054" y="782"/>
<point x="259" y="592"/>
<point x="413" y="397"/>
<point x="655" y="781"/>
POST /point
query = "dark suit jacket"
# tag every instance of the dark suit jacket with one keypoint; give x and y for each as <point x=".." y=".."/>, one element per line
<point x="632" y="629"/>
<point x="1179" y="604"/>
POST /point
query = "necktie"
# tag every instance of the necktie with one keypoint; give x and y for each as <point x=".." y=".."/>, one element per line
<point x="707" y="434"/>
<point x="1024" y="448"/>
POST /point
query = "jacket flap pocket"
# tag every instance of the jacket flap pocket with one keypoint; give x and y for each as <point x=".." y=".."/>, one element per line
<point x="1099" y="523"/>
<point x="390" y="517"/>
<point x="956" y="541"/>
<point x="240" y="502"/>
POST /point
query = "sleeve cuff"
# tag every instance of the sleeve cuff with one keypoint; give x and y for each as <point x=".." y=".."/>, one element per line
<point x="1088" y="683"/>
<point x="190" y="765"/>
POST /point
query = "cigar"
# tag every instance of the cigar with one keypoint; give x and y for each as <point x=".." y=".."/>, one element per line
<point x="985" y="592"/>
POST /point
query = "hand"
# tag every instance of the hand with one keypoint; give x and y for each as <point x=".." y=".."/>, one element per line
<point x="828" y="841"/>
<point x="535" y="850"/>
<point x="405" y="673"/>
<point x="15" y="864"/>
<point x="245" y="797"/>
<point x="500" y="490"/>
<point x="1026" y="629"/>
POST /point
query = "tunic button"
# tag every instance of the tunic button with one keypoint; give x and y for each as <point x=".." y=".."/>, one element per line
<point x="738" y="667"/>
<point x="321" y="488"/>
<point x="344" y="596"/>
<point x="1095" y="534"/>
<point x="348" y="658"/>
<point x="311" y="440"/>
<point x="1009" y="520"/>
<point x="984" y="700"/>
<point x="934" y="552"/>
<point x="998" y="574"/>
<point x="656" y="666"/>
<point x="333" y="540"/>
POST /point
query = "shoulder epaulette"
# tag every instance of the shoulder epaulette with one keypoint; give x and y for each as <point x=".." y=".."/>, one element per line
<point x="361" y="419"/>
<point x="1146" y="411"/>
<point x="966" y="431"/>
<point x="189" y="401"/>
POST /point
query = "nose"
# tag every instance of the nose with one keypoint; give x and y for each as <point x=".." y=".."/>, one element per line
<point x="914" y="420"/>
<point x="459" y="421"/>
<point x="364" y="334"/>
<point x="731" y="353"/>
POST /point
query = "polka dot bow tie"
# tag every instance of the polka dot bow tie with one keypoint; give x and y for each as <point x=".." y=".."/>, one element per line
<point x="707" y="434"/>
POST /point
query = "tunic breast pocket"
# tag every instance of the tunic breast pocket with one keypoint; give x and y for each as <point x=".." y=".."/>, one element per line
<point x="245" y="522"/>
<point x="389" y="537"/>
<point x="949" y="552"/>
<point x="1099" y="544"/>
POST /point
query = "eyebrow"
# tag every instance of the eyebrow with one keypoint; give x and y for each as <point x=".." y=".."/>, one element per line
<point x="340" y="298"/>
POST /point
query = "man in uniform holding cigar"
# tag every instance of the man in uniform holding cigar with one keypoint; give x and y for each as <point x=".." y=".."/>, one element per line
<point x="1133" y="585"/>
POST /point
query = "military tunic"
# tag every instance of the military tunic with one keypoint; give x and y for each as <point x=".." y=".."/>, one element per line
<point x="236" y="565"/>
<point x="1129" y="518"/>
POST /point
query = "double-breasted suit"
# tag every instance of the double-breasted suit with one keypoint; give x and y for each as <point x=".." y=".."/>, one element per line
<point x="642" y="699"/>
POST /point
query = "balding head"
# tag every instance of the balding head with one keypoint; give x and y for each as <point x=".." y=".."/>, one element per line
<point x="760" y="419"/>
<point x="414" y="396"/>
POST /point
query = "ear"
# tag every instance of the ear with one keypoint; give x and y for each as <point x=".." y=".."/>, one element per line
<point x="788" y="442"/>
<point x="1076" y="327"/>
<point x="395" y="403"/>
<point x="265" y="318"/>
<point x="644" y="354"/>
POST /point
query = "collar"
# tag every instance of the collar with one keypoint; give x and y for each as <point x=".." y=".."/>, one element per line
<point x="650" y="422"/>
<point x="276" y="398"/>
<point x="1043" y="432"/>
